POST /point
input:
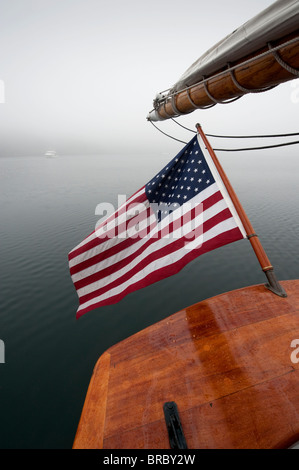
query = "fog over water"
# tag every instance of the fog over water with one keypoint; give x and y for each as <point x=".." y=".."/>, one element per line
<point x="80" y="76"/>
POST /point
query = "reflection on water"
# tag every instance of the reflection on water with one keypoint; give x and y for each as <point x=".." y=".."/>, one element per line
<point x="47" y="208"/>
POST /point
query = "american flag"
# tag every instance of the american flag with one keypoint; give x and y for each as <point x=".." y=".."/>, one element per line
<point x="181" y="213"/>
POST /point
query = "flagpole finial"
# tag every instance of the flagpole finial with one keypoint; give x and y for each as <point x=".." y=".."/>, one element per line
<point x="197" y="125"/>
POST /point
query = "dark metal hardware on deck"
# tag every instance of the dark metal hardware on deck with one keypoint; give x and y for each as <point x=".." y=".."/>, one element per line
<point x="274" y="286"/>
<point x="175" y="432"/>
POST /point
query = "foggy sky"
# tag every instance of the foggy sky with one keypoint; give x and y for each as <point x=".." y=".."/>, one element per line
<point x="80" y="75"/>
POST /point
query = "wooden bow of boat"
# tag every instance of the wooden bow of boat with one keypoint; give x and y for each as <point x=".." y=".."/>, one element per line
<point x="228" y="364"/>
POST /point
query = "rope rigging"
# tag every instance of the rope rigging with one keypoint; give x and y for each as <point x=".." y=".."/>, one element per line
<point x="258" y="148"/>
<point x="236" y="137"/>
<point x="168" y="135"/>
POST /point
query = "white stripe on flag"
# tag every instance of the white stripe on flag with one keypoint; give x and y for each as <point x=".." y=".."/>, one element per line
<point x="206" y="215"/>
<point x="162" y="262"/>
<point x="220" y="185"/>
<point x="96" y="233"/>
<point x="114" y="241"/>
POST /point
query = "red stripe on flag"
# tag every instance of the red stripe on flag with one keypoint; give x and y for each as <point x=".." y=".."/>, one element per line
<point x="167" y="271"/>
<point x="160" y="253"/>
<point x="120" y="244"/>
<point x="123" y="244"/>
<point x="97" y="240"/>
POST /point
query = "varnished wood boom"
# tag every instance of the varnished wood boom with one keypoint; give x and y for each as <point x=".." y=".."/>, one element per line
<point x="260" y="73"/>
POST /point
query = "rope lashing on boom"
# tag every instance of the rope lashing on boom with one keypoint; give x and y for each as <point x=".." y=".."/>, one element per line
<point x="246" y="62"/>
<point x="171" y="95"/>
<point x="281" y="62"/>
<point x="205" y="85"/>
<point x="195" y="106"/>
<point x="241" y="87"/>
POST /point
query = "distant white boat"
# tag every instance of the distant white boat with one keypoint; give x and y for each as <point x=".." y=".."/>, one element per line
<point x="51" y="154"/>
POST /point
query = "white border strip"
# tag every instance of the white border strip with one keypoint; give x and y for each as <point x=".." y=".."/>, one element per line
<point x="220" y="184"/>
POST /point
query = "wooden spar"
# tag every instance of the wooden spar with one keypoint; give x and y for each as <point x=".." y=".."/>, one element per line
<point x="260" y="73"/>
<point x="263" y="259"/>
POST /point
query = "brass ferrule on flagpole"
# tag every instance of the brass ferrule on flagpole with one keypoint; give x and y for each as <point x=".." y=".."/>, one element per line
<point x="263" y="259"/>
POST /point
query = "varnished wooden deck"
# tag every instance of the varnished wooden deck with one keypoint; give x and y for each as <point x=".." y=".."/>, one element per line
<point x="226" y="363"/>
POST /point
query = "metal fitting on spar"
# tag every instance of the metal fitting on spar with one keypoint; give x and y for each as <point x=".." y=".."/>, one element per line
<point x="2" y="352"/>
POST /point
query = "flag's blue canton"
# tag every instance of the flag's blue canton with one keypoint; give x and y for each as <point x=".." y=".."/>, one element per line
<point x="183" y="178"/>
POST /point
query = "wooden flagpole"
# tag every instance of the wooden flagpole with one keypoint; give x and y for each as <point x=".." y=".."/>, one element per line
<point x="263" y="259"/>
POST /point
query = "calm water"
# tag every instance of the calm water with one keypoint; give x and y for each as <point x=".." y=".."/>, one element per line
<point x="48" y="207"/>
